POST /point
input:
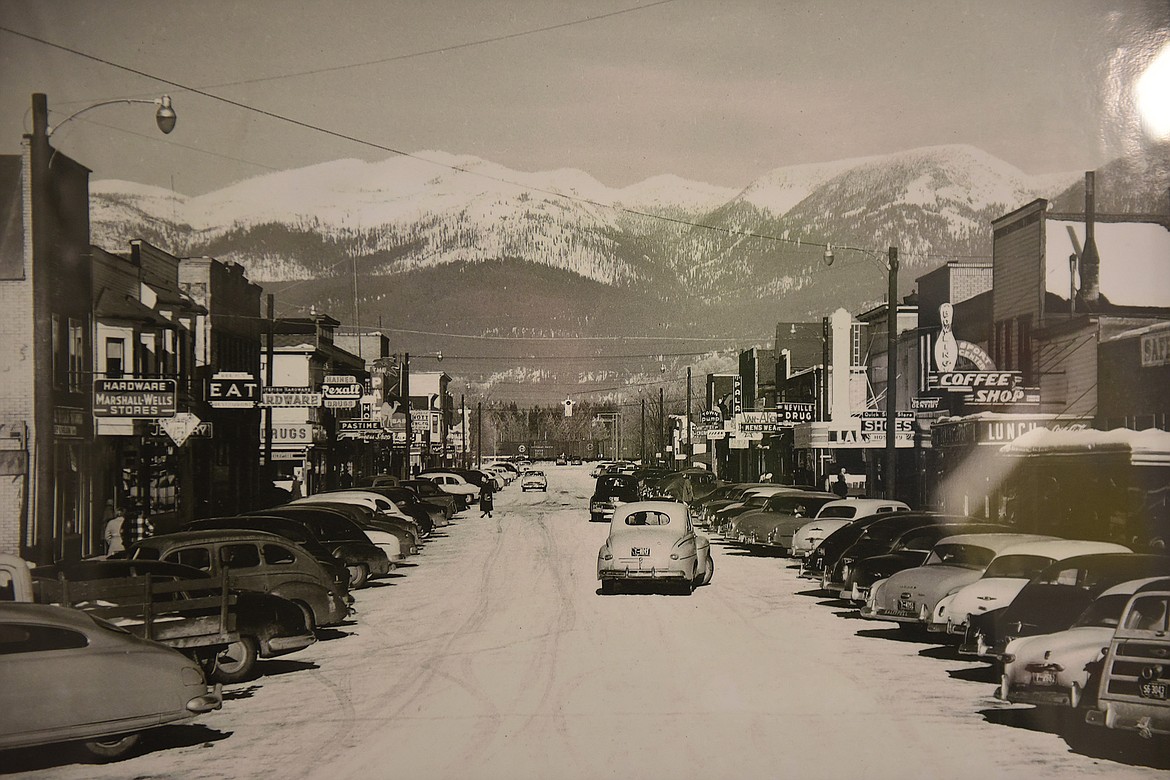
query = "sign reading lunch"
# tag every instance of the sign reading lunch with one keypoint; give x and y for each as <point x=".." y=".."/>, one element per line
<point x="135" y="398"/>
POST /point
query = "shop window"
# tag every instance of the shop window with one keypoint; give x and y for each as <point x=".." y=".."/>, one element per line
<point x="239" y="556"/>
<point x="115" y="358"/>
<point x="58" y="352"/>
<point x="278" y="556"/>
<point x="76" y="355"/>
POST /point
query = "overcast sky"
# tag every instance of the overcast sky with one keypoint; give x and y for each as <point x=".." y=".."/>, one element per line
<point x="717" y="91"/>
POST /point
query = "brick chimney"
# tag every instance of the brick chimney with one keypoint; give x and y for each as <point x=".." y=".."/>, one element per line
<point x="1090" y="265"/>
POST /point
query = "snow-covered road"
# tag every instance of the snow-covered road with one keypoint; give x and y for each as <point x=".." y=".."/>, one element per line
<point x="495" y="657"/>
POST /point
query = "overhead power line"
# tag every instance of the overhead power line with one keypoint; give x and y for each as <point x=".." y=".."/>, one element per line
<point x="797" y="242"/>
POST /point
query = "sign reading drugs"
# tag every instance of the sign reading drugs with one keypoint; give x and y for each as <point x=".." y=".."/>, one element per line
<point x="135" y="398"/>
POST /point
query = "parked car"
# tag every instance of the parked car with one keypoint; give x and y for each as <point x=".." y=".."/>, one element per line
<point x="254" y="560"/>
<point x="837" y="514"/>
<point x="1005" y="577"/>
<point x="771" y="526"/>
<point x="431" y="493"/>
<point x="1135" y="681"/>
<point x="910" y="549"/>
<point x="1063" y="668"/>
<point x="289" y="529"/>
<point x="703" y="510"/>
<point x="654" y="541"/>
<point x="701" y="482"/>
<point x="533" y="480"/>
<point x="909" y="597"/>
<point x="427" y="515"/>
<point x="67" y="676"/>
<point x="349" y="544"/>
<point x="863" y="538"/>
<point x="397" y="545"/>
<point x="1053" y="599"/>
<point x="752" y="498"/>
<point x="601" y="466"/>
<point x="611" y="491"/>
<point x="454" y="484"/>
<point x="268" y="626"/>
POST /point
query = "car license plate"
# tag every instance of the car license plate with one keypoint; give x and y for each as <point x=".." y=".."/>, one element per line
<point x="1044" y="678"/>
<point x="640" y="552"/>
<point x="1153" y="690"/>
<point x="905" y="605"/>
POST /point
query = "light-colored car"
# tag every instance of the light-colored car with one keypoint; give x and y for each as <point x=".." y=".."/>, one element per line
<point x="533" y="480"/>
<point x="1056" y="669"/>
<point x="654" y="541"/>
<point x="67" y="676"/>
<point x="1135" y="681"/>
<point x="910" y="596"/>
<point x="453" y="484"/>
<point x="837" y="514"/>
<point x="1005" y="577"/>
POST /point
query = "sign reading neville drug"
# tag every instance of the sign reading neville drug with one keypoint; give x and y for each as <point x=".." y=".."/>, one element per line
<point x="135" y="397"/>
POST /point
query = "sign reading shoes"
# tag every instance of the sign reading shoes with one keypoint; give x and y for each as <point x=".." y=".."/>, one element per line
<point x="135" y="397"/>
<point x="341" y="392"/>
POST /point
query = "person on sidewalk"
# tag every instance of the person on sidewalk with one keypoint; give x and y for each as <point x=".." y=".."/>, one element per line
<point x="485" y="500"/>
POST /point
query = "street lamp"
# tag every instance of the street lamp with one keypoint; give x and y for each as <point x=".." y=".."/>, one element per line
<point x="891" y="267"/>
<point x="164" y="117"/>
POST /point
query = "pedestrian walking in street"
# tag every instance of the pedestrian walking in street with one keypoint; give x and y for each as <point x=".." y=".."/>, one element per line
<point x="346" y="479"/>
<point x="136" y="527"/>
<point x="485" y="500"/>
<point x="112" y="533"/>
<point x="841" y="487"/>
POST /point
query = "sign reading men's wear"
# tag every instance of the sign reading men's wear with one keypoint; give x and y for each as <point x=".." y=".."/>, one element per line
<point x="135" y="398"/>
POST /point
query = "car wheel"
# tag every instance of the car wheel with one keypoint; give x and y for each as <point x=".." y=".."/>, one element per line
<point x="709" y="572"/>
<point x="236" y="662"/>
<point x="110" y="748"/>
<point x="359" y="575"/>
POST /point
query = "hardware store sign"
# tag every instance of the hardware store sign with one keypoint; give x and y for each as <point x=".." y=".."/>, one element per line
<point x="135" y="398"/>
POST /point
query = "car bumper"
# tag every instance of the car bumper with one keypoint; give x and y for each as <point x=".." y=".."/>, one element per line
<point x="282" y="645"/>
<point x="642" y="574"/>
<point x="1052" y="696"/>
<point x="1146" y="719"/>
<point x="206" y="702"/>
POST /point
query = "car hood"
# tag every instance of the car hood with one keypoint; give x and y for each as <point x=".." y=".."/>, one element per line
<point x="985" y="595"/>
<point x="882" y="566"/>
<point x="1043" y="609"/>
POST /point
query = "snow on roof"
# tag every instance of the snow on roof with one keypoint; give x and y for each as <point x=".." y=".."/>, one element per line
<point x="1148" y="446"/>
<point x="1135" y="260"/>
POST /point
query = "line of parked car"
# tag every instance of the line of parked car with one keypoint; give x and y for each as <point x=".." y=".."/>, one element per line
<point x="1078" y="626"/>
<point x="97" y="650"/>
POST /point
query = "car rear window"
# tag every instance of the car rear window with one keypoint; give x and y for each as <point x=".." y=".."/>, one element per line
<point x="969" y="556"/>
<point x="1023" y="567"/>
<point x="648" y="518"/>
<point x="842" y="512"/>
<point x="239" y="556"/>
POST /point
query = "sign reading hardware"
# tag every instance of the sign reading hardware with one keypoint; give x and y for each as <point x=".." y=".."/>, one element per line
<point x="286" y="397"/>
<point x="135" y="397"/>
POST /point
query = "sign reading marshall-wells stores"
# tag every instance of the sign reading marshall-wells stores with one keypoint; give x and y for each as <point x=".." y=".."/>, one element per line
<point x="135" y="398"/>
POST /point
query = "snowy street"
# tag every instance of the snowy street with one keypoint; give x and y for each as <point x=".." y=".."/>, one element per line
<point x="495" y="657"/>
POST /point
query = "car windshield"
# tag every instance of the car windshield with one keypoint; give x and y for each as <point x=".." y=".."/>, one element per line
<point x="884" y="532"/>
<point x="969" y="556"/>
<point x="1104" y="612"/>
<point x="648" y="518"/>
<point x="535" y="474"/>
<point x="755" y="500"/>
<point x="842" y="512"/>
<point x="1022" y="567"/>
